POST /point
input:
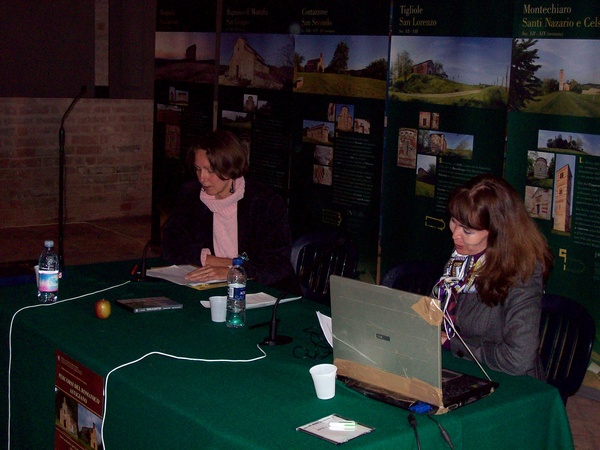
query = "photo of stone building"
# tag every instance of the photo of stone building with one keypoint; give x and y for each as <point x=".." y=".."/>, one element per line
<point x="562" y="199"/>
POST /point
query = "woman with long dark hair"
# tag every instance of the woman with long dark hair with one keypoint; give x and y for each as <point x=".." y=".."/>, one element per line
<point x="493" y="283"/>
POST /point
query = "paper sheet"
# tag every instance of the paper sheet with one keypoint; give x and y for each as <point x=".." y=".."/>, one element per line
<point x="325" y="322"/>
<point x="258" y="300"/>
<point x="176" y="274"/>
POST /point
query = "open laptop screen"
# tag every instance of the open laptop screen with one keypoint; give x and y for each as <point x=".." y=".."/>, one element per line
<point x="379" y="327"/>
<point x="387" y="340"/>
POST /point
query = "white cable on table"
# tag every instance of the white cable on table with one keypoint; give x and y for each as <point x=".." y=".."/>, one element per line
<point x="38" y="306"/>
<point x="185" y="358"/>
<point x="264" y="355"/>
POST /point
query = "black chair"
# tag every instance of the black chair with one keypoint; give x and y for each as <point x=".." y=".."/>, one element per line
<point x="413" y="276"/>
<point x="317" y="255"/>
<point x="567" y="333"/>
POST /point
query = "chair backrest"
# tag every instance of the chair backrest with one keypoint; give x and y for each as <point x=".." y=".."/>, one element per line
<point x="567" y="333"/>
<point x="413" y="276"/>
<point x="317" y="255"/>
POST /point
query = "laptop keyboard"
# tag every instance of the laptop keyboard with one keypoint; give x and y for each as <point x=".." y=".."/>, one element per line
<point x="382" y="395"/>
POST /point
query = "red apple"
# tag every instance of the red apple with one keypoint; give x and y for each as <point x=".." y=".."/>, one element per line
<point x="102" y="308"/>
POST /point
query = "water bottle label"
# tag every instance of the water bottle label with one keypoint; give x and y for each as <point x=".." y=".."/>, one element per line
<point x="48" y="281"/>
<point x="237" y="292"/>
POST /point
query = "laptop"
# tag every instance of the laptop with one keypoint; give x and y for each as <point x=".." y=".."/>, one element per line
<point x="386" y="345"/>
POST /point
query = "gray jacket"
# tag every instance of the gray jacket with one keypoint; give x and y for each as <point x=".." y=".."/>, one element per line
<point x="504" y="337"/>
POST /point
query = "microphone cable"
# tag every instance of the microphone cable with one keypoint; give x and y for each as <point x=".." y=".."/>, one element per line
<point x="320" y="347"/>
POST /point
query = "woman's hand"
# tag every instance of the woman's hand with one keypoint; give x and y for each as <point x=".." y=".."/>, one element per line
<point x="214" y="269"/>
<point x="215" y="261"/>
<point x="444" y="338"/>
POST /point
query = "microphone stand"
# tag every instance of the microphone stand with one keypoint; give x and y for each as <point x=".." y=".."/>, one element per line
<point x="141" y="276"/>
<point x="61" y="178"/>
<point x="273" y="338"/>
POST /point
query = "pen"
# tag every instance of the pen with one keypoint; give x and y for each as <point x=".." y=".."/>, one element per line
<point x="134" y="269"/>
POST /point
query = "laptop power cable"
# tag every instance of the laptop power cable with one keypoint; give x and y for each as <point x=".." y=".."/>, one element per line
<point x="424" y="408"/>
<point x="412" y="421"/>
<point x="443" y="432"/>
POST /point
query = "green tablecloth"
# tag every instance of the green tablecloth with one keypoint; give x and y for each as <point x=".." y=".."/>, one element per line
<point x="165" y="403"/>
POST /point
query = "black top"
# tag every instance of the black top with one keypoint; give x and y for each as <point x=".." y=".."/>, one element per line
<point x="263" y="233"/>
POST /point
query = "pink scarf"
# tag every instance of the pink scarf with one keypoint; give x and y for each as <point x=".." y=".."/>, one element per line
<point x="225" y="225"/>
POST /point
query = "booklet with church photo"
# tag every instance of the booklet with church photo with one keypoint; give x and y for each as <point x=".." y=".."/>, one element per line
<point x="79" y="404"/>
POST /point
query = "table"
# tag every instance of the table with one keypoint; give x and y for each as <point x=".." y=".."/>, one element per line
<point x="165" y="403"/>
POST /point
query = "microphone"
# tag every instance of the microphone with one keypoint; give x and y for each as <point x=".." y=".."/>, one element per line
<point x="61" y="177"/>
<point x="68" y="111"/>
<point x="273" y="338"/>
<point x="141" y="276"/>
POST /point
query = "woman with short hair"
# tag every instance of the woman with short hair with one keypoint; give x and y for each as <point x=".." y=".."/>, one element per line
<point x="222" y="214"/>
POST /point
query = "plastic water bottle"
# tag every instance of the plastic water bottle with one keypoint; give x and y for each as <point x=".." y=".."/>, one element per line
<point x="236" y="295"/>
<point x="48" y="274"/>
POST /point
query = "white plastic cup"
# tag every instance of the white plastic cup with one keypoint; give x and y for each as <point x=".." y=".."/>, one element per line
<point x="323" y="376"/>
<point x="218" y="308"/>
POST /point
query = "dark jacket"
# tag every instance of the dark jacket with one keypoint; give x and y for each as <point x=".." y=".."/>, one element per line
<point x="263" y="233"/>
<point x="503" y="337"/>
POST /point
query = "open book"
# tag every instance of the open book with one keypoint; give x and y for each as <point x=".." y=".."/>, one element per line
<point x="176" y="274"/>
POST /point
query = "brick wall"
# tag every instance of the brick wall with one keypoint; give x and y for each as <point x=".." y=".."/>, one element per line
<point x="108" y="159"/>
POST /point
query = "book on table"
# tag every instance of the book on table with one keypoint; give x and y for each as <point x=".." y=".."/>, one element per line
<point x="147" y="304"/>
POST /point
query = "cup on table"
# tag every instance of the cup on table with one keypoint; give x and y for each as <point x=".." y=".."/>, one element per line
<point x="323" y="376"/>
<point x="218" y="307"/>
